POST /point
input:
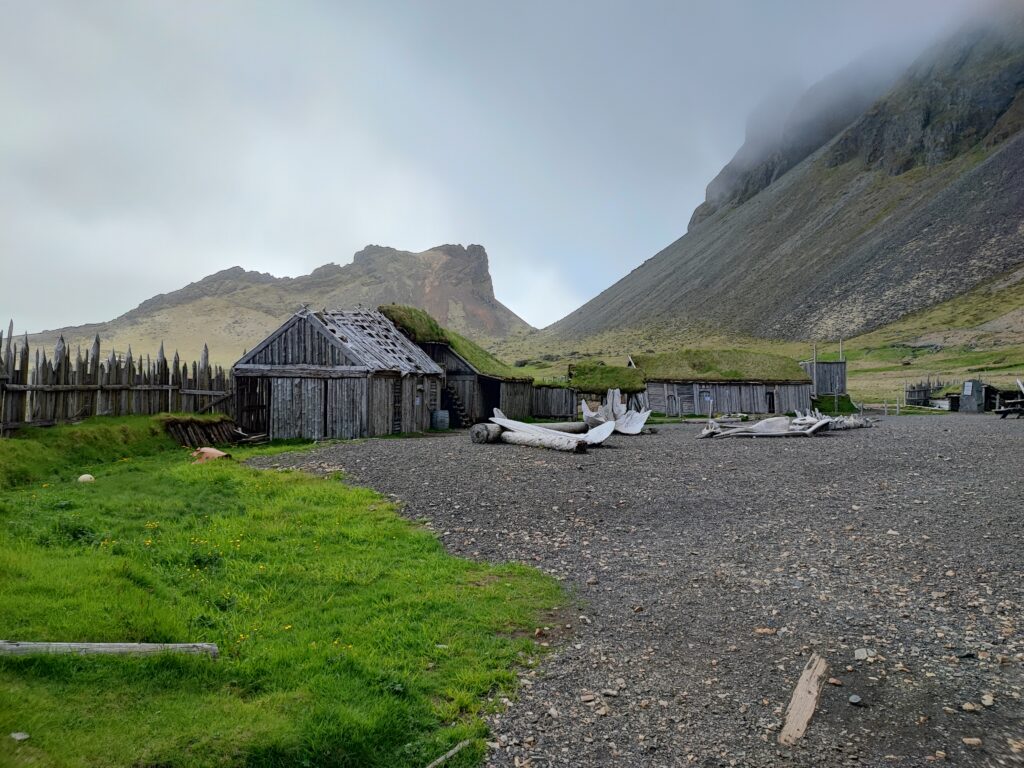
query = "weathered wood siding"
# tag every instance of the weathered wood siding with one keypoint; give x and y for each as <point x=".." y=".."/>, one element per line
<point x="516" y="399"/>
<point x="443" y="355"/>
<point x="555" y="403"/>
<point x="380" y="409"/>
<point x="297" y="342"/>
<point x="297" y="408"/>
<point x="679" y="398"/>
<point x="415" y="404"/>
<point x="346" y="406"/>
<point x="826" y="378"/>
<point x="670" y="398"/>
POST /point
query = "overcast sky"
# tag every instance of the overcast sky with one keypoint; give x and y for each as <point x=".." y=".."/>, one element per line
<point x="147" y="143"/>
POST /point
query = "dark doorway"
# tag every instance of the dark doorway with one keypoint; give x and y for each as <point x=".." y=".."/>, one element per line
<point x="770" y="400"/>
<point x="490" y="396"/>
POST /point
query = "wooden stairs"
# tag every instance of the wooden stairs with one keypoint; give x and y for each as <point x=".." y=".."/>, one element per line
<point x="456" y="408"/>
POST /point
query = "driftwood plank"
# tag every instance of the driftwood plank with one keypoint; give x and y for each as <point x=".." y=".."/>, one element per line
<point x="805" y="700"/>
<point x="14" y="648"/>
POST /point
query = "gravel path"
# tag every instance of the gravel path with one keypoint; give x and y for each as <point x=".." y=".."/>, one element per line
<point x="705" y="572"/>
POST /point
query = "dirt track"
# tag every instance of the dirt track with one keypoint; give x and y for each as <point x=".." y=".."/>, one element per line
<point x="706" y="572"/>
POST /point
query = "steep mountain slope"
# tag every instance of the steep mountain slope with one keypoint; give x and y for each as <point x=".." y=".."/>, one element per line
<point x="849" y="223"/>
<point x="234" y="309"/>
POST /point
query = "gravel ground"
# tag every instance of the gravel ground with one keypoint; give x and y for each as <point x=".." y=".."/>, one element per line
<point x="703" y="574"/>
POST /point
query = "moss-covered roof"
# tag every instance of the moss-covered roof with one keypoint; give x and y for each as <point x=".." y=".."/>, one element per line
<point x="422" y="328"/>
<point x="596" y="377"/>
<point x="719" y="365"/>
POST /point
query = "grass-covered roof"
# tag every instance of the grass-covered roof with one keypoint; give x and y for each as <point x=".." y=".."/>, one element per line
<point x="719" y="365"/>
<point x="596" y="377"/>
<point x="422" y="328"/>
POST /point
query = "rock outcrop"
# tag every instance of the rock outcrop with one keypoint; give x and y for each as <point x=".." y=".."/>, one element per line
<point x="234" y="308"/>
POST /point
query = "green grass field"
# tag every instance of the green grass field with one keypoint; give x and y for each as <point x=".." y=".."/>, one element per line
<point x="347" y="635"/>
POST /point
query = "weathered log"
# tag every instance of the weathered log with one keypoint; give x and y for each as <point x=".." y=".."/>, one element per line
<point x="485" y="433"/>
<point x="14" y="648"/>
<point x="558" y="443"/>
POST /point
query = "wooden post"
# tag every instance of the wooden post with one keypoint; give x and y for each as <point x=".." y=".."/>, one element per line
<point x="814" y="368"/>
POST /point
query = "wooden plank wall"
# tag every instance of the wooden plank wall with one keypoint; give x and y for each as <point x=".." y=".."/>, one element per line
<point x="442" y="355"/>
<point x="678" y="398"/>
<point x="300" y="342"/>
<point x="828" y="378"/>
<point x="555" y="403"/>
<point x="66" y="387"/>
<point x="516" y="399"/>
<point x="347" y="408"/>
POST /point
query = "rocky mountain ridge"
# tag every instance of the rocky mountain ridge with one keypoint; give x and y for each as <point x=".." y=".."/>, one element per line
<point x="234" y="308"/>
<point x="916" y="199"/>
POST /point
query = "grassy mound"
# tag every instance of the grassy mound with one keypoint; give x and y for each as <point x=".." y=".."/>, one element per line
<point x="348" y="636"/>
<point x="36" y="454"/>
<point x="719" y="365"/>
<point x="598" y="378"/>
<point x="833" y="406"/>
<point x="421" y="327"/>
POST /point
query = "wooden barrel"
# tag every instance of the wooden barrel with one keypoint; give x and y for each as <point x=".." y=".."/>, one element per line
<point x="439" y="419"/>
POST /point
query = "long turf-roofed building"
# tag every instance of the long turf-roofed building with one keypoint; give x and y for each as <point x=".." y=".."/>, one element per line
<point x="699" y="381"/>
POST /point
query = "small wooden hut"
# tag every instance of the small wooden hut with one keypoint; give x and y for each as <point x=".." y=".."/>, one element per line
<point x="698" y="381"/>
<point x="827" y="377"/>
<point x="476" y="382"/>
<point x="338" y="374"/>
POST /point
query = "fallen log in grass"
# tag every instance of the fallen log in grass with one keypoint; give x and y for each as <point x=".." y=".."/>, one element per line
<point x="15" y="648"/>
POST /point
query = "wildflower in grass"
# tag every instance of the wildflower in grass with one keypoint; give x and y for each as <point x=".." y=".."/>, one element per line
<point x="46" y="485"/>
<point x="151" y="525"/>
<point x="148" y="542"/>
<point x="286" y="627"/>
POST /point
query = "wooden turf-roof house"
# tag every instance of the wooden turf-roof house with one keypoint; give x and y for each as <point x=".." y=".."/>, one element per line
<point x="723" y="381"/>
<point x="476" y="382"/>
<point x="336" y="374"/>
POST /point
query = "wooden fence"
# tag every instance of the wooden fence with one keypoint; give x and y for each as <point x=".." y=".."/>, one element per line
<point x="65" y="388"/>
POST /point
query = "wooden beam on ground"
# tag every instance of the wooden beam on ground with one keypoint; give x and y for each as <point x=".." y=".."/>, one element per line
<point x="805" y="700"/>
<point x="14" y="648"/>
